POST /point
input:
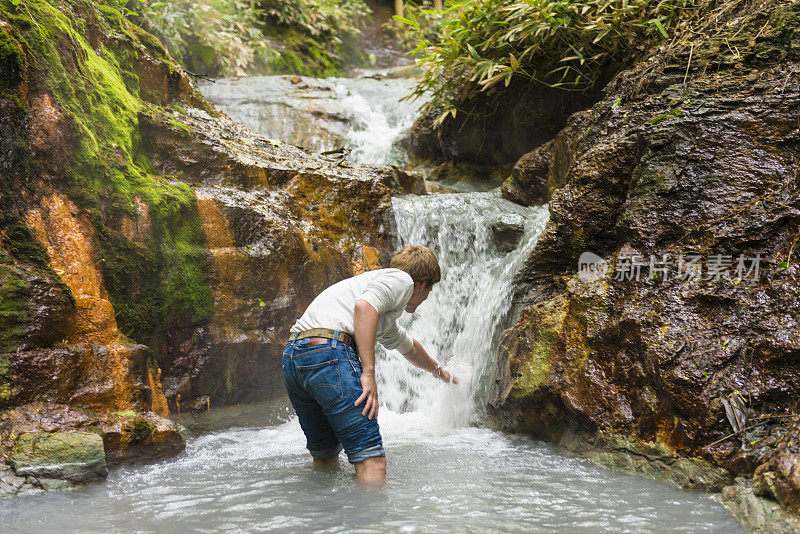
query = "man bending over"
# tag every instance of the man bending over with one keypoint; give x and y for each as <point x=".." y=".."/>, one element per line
<point x="329" y="361"/>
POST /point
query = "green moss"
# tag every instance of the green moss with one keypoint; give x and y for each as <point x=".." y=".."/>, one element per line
<point x="18" y="241"/>
<point x="14" y="309"/>
<point x="664" y="116"/>
<point x="141" y="430"/>
<point x="12" y="61"/>
<point x="5" y="380"/>
<point x="550" y="324"/>
<point x="96" y="90"/>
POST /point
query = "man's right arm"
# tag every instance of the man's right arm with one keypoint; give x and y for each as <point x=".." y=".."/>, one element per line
<point x="420" y="357"/>
<point x="365" y="324"/>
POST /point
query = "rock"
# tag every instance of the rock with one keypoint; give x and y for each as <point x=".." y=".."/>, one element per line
<point x="10" y="483"/>
<point x="54" y="484"/>
<point x="530" y="182"/>
<point x="779" y="477"/>
<point x="140" y="438"/>
<point x="507" y="233"/>
<point x="648" y="174"/>
<point x="524" y="117"/>
<point x="757" y="514"/>
<point x="76" y="457"/>
<point x="657" y="461"/>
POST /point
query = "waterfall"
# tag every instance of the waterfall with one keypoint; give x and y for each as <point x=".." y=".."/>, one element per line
<point x="458" y="322"/>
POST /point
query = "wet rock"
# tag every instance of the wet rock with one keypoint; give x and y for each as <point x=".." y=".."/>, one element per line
<point x="10" y="483"/>
<point x="76" y="457"/>
<point x="779" y="477"/>
<point x="526" y="116"/>
<point x="507" y="233"/>
<point x="657" y="461"/>
<point x="530" y="182"/>
<point x="648" y="174"/>
<point x="757" y="514"/>
<point x="142" y="437"/>
<point x="113" y="377"/>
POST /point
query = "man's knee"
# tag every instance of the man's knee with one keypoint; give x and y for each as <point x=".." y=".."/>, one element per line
<point x="372" y="468"/>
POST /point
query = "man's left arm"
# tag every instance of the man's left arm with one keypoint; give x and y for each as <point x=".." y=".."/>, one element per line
<point x="420" y="357"/>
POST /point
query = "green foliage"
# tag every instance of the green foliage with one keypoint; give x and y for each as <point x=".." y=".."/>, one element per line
<point x="332" y="19"/>
<point x="313" y="37"/>
<point x="420" y="23"/>
<point x="569" y="45"/>
<point x="219" y="37"/>
<point x="234" y="38"/>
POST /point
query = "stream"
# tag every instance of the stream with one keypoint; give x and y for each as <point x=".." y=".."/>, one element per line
<point x="446" y="472"/>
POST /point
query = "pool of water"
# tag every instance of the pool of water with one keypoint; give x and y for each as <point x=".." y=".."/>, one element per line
<point x="440" y="480"/>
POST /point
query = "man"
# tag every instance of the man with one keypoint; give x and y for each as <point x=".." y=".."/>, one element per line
<point x="329" y="361"/>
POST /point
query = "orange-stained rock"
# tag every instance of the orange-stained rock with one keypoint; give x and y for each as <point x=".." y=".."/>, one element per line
<point x="368" y="260"/>
<point x="68" y="238"/>
<point x="158" y="402"/>
<point x="280" y="225"/>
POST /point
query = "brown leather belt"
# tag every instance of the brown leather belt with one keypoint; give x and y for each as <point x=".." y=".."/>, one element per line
<point x="344" y="337"/>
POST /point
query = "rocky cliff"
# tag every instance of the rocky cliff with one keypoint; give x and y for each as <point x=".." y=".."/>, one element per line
<point x="674" y="350"/>
<point x="153" y="254"/>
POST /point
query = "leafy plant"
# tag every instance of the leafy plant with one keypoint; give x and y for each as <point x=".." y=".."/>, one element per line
<point x="211" y="36"/>
<point x="564" y="44"/>
<point x="332" y="18"/>
<point x="238" y="37"/>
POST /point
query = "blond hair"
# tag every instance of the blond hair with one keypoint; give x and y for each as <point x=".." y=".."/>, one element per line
<point x="418" y="261"/>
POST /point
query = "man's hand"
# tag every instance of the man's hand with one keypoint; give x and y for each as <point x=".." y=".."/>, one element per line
<point x="370" y="394"/>
<point x="445" y="376"/>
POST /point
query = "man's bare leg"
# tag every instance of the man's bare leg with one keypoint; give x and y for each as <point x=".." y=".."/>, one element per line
<point x="372" y="469"/>
<point x="327" y="462"/>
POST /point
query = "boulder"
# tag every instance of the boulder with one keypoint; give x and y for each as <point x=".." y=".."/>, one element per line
<point x="141" y="438"/>
<point x="779" y="477"/>
<point x="76" y="457"/>
<point x="507" y="233"/>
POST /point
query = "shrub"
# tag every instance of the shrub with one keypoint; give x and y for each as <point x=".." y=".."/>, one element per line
<point x="564" y="44"/>
<point x="217" y="37"/>
<point x="238" y="37"/>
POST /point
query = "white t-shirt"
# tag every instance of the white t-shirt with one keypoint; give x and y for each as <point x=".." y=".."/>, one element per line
<point x="387" y="290"/>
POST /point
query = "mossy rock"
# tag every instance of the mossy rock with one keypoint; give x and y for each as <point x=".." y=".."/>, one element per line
<point x="74" y="456"/>
<point x="12" y="61"/>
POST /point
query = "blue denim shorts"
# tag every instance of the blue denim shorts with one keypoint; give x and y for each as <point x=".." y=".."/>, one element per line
<point x="324" y="382"/>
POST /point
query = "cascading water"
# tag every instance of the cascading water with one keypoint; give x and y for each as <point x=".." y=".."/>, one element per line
<point x="362" y="114"/>
<point x="445" y="474"/>
<point x="458" y="322"/>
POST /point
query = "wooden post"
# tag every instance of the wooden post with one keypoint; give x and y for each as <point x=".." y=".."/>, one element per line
<point x="398" y="8"/>
<point x="437" y="5"/>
